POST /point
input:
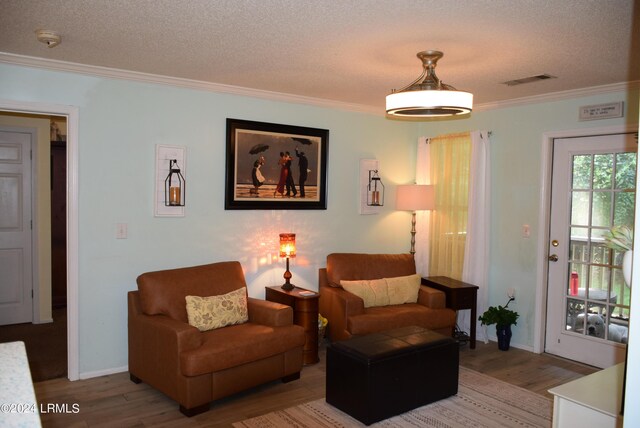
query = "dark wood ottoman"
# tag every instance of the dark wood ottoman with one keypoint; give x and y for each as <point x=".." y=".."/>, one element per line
<point x="380" y="375"/>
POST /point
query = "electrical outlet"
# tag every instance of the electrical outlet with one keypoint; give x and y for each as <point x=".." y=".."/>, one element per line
<point x="511" y="293"/>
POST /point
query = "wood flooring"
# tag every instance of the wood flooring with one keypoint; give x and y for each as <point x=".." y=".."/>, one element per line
<point x="46" y="345"/>
<point x="116" y="401"/>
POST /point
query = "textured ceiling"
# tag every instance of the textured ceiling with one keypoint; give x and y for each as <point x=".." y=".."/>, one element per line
<point x="352" y="51"/>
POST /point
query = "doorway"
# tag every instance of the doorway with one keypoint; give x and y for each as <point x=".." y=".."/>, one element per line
<point x="43" y="208"/>
<point x="16" y="285"/>
<point x="59" y="220"/>
<point x="588" y="299"/>
<point x="71" y="113"/>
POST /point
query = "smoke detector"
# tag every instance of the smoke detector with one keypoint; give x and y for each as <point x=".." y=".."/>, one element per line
<point x="50" y="38"/>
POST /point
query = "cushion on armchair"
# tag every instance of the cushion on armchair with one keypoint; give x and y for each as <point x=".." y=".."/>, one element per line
<point x="356" y="266"/>
<point x="385" y="291"/>
<point x="373" y="292"/>
<point x="403" y="289"/>
<point x="208" y="313"/>
<point x="237" y="345"/>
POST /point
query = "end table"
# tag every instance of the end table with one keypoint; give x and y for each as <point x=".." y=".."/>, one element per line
<point x="305" y="313"/>
<point x="460" y="295"/>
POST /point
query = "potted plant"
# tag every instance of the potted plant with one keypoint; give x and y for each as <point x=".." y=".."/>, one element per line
<point x="503" y="318"/>
<point x="620" y="238"/>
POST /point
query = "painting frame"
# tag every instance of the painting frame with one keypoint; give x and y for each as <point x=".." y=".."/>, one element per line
<point x="257" y="155"/>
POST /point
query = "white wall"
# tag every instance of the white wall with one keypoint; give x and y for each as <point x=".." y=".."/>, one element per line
<point x="120" y="123"/>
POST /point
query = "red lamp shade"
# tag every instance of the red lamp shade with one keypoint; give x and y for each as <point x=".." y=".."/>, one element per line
<point x="287" y="250"/>
<point x="287" y="245"/>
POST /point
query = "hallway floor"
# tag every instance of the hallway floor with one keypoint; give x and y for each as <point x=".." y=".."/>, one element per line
<point x="46" y="345"/>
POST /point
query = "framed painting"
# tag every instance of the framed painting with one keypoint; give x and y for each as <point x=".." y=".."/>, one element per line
<point x="273" y="166"/>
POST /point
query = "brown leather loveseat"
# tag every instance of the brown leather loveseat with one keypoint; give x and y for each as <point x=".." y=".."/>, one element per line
<point x="347" y="313"/>
<point x="195" y="367"/>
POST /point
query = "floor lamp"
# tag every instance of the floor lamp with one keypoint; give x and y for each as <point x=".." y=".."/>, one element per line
<point x="415" y="197"/>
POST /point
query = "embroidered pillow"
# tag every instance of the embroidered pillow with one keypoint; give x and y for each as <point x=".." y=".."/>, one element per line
<point x="208" y="313"/>
<point x="403" y="289"/>
<point x="373" y="292"/>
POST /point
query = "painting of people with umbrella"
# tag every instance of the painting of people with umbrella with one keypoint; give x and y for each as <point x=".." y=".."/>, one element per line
<point x="273" y="166"/>
<point x="256" y="175"/>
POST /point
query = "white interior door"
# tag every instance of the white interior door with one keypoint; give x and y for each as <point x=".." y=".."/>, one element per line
<point x="593" y="189"/>
<point x="15" y="227"/>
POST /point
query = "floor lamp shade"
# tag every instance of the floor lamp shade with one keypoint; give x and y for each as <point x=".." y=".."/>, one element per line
<point x="415" y="197"/>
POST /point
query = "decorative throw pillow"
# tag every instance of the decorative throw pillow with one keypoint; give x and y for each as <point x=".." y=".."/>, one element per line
<point x="403" y="289"/>
<point x="208" y="313"/>
<point x="373" y="292"/>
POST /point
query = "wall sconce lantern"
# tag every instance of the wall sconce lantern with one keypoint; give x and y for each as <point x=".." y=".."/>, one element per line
<point x="287" y="250"/>
<point x="375" y="190"/>
<point x="174" y="186"/>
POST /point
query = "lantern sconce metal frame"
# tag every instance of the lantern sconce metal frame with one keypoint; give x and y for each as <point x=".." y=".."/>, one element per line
<point x="375" y="190"/>
<point x="369" y="169"/>
<point x="175" y="186"/>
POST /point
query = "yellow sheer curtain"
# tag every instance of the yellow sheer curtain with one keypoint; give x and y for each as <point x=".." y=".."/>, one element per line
<point x="450" y="160"/>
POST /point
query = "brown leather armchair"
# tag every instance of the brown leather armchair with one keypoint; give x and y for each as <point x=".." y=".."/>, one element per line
<point x="194" y="367"/>
<point x="346" y="312"/>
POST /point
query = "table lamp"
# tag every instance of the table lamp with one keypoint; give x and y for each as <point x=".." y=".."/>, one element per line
<point x="287" y="250"/>
<point x="415" y="197"/>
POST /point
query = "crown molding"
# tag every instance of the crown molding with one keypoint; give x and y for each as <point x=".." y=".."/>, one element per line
<point x="559" y="96"/>
<point x="114" y="73"/>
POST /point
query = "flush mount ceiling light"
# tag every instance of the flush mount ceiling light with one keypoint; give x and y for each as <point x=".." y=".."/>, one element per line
<point x="427" y="96"/>
<point x="50" y="38"/>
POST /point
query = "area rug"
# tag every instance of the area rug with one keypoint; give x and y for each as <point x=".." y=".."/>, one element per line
<point x="482" y="401"/>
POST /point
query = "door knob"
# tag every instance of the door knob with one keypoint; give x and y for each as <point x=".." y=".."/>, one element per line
<point x="553" y="258"/>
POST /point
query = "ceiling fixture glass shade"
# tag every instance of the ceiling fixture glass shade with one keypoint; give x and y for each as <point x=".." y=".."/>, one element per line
<point x="427" y="96"/>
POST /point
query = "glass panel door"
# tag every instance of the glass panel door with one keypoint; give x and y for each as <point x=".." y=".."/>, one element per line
<point x="602" y="196"/>
<point x="593" y="190"/>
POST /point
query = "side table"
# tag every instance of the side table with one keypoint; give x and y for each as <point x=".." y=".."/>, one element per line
<point x="305" y="314"/>
<point x="460" y="295"/>
<point x="578" y="404"/>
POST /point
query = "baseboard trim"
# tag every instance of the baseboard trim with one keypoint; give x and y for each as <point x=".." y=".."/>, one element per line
<point x="98" y="373"/>
<point x="512" y="345"/>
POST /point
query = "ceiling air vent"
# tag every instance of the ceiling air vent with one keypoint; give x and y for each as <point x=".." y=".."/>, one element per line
<point x="528" y="79"/>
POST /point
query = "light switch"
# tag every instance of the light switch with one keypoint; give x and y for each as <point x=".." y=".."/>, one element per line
<point x="121" y="231"/>
<point x="526" y="231"/>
